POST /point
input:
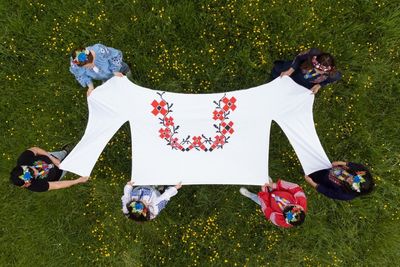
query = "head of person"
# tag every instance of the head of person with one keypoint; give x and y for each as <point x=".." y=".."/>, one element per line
<point x="294" y="215"/>
<point x="323" y="62"/>
<point x="22" y="175"/>
<point x="359" y="182"/>
<point x="81" y="56"/>
<point x="138" y="211"/>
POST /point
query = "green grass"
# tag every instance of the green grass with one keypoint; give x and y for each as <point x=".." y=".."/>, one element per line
<point x="199" y="47"/>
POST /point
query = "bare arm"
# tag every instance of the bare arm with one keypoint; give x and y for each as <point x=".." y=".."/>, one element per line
<point x="67" y="183"/>
<point x="39" y="151"/>
<point x="310" y="181"/>
<point x="42" y="152"/>
<point x="339" y="163"/>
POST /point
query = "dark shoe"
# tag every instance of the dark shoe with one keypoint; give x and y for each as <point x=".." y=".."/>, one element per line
<point x="125" y="69"/>
<point x="160" y="188"/>
<point x="67" y="148"/>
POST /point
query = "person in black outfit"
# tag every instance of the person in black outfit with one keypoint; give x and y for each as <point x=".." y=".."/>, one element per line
<point x="312" y="69"/>
<point x="37" y="170"/>
<point x="344" y="181"/>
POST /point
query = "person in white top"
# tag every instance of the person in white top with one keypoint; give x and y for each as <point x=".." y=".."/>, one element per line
<point x="144" y="203"/>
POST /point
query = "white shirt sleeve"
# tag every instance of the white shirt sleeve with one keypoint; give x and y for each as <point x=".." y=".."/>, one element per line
<point x="168" y="193"/>
<point x="126" y="198"/>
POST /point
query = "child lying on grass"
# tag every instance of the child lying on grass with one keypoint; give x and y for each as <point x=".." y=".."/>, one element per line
<point x="144" y="203"/>
<point x="283" y="203"/>
<point x="344" y="181"/>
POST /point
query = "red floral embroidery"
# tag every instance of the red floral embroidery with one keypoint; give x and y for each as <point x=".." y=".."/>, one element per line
<point x="169" y="121"/>
<point x="176" y="144"/>
<point x="196" y="140"/>
<point x="165" y="133"/>
<point x="218" y="115"/>
<point x="199" y="142"/>
<point x="219" y="140"/>
<point x="227" y="128"/>
<point x="229" y="103"/>
<point x="159" y="107"/>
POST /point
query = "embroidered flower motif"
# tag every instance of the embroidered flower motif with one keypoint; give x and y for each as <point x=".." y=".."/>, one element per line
<point x="219" y="140"/>
<point x="218" y="115"/>
<point x="159" y="107"/>
<point x="227" y="127"/>
<point x="196" y="140"/>
<point x="175" y="143"/>
<point x="169" y="129"/>
<point x="165" y="133"/>
<point x="229" y="103"/>
<point x="169" y="121"/>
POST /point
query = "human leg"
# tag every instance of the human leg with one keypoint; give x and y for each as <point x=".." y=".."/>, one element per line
<point x="250" y="195"/>
<point x="60" y="155"/>
<point x="125" y="69"/>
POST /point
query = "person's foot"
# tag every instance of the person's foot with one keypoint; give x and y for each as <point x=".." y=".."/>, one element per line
<point x="160" y="188"/>
<point x="244" y="192"/>
<point x="67" y="148"/>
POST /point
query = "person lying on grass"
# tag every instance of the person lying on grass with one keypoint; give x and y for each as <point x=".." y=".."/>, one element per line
<point x="144" y="203"/>
<point x="283" y="203"/>
<point x="344" y="181"/>
<point x="312" y="69"/>
<point x="37" y="170"/>
<point x="97" y="62"/>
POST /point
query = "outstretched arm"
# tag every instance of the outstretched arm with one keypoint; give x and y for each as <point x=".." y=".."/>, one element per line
<point x="127" y="196"/>
<point x="42" y="152"/>
<point x="310" y="181"/>
<point x="327" y="191"/>
<point x="339" y="163"/>
<point x="67" y="183"/>
<point x="170" y="192"/>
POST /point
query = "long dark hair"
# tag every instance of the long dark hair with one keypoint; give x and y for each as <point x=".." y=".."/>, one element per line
<point x="299" y="213"/>
<point x="137" y="216"/>
<point x="14" y="176"/>
<point x="366" y="187"/>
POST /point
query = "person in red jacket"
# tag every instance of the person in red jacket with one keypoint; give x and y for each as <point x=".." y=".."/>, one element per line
<point x="283" y="203"/>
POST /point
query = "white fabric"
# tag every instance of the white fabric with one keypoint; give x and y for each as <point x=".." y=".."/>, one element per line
<point x="243" y="160"/>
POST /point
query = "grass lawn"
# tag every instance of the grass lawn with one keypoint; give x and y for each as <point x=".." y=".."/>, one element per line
<point x="199" y="47"/>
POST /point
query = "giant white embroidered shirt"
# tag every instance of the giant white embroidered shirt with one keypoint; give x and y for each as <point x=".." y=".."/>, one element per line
<point x="218" y="138"/>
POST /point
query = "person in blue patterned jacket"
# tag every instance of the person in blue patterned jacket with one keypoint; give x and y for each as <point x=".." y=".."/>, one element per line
<point x="96" y="62"/>
<point x="144" y="203"/>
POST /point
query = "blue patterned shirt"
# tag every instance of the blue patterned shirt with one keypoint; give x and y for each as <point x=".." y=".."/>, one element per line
<point x="107" y="61"/>
<point x="151" y="197"/>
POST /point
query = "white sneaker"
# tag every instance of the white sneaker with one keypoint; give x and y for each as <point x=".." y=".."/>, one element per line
<point x="244" y="192"/>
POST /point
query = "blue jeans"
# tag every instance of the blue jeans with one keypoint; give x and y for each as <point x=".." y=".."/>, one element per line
<point x="254" y="197"/>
